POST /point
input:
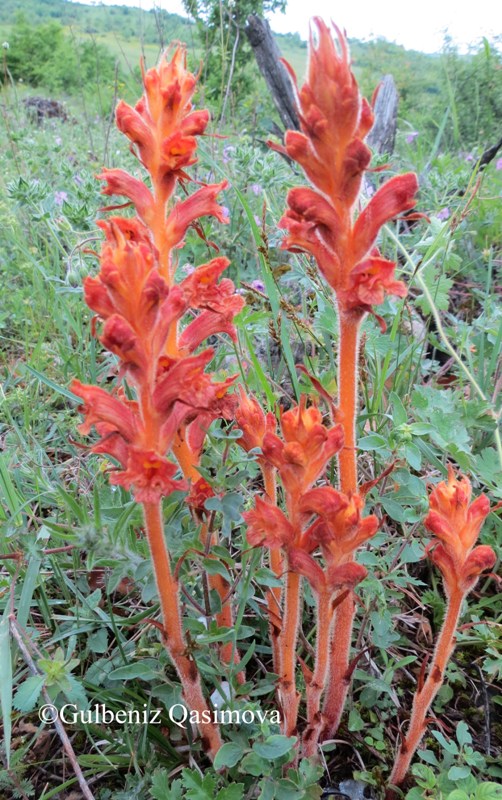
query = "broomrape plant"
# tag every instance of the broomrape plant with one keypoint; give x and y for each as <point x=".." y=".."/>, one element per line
<point x="142" y="312"/>
<point x="154" y="425"/>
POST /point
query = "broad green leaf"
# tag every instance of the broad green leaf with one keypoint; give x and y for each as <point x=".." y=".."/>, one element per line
<point x="372" y="442"/>
<point x="458" y="773"/>
<point x="489" y="791"/>
<point x="399" y="413"/>
<point x="274" y="746"/>
<point x="228" y="755"/>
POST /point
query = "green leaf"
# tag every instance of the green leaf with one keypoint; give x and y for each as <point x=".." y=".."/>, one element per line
<point x="438" y="285"/>
<point x="9" y="492"/>
<point x="253" y="764"/>
<point x="458" y="773"/>
<point x="458" y="794"/>
<point x="488" y="791"/>
<point x="399" y="413"/>
<point x="356" y="722"/>
<point x="372" y="442"/>
<point x="413" y="456"/>
<point x="415" y="794"/>
<point x="228" y="755"/>
<point x="51" y="384"/>
<point x="130" y="671"/>
<point x="29" y="584"/>
<point x="6" y="684"/>
<point x="200" y="787"/>
<point x="234" y="792"/>
<point x="449" y="746"/>
<point x="163" y="789"/>
<point x="274" y="746"/>
<point x="28" y="693"/>
<point x="463" y="734"/>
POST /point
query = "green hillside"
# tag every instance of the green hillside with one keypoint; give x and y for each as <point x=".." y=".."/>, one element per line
<point x="68" y="49"/>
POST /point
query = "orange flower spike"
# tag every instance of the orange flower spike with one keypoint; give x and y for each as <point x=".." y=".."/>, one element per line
<point x="456" y="523"/>
<point x="334" y="120"/>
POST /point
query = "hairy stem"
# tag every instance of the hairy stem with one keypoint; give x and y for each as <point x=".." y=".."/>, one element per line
<point x="425" y="695"/>
<point x="276" y="565"/>
<point x="318" y="681"/>
<point x="339" y="681"/>
<point x="288" y="696"/>
<point x="174" y="641"/>
<point x="350" y="324"/>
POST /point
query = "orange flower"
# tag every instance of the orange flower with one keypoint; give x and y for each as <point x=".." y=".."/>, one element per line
<point x="341" y="528"/>
<point x="162" y="126"/>
<point x="330" y="579"/>
<point x="307" y="446"/>
<point x="456" y="523"/>
<point x="253" y="422"/>
<point x="334" y="120"/>
<point x="150" y="475"/>
<point x="268" y="525"/>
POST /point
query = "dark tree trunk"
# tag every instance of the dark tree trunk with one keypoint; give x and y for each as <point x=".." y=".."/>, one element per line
<point x="268" y="56"/>
<point x="382" y="136"/>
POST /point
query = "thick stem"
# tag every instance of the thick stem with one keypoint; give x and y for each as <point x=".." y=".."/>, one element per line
<point x="318" y="681"/>
<point x="339" y="680"/>
<point x="174" y="641"/>
<point x="288" y="696"/>
<point x="276" y="565"/>
<point x="424" y="697"/>
<point x="350" y="324"/>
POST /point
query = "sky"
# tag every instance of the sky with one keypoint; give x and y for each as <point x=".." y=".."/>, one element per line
<point x="418" y="25"/>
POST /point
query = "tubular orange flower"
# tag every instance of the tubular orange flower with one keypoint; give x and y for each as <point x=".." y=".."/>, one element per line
<point x="456" y="522"/>
<point x="141" y="310"/>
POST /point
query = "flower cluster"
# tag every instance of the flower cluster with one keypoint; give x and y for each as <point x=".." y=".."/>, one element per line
<point x="316" y="519"/>
<point x="330" y="148"/>
<point x="456" y="522"/>
<point x="140" y="307"/>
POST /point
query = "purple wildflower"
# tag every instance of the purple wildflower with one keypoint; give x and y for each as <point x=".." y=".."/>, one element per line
<point x="60" y="198"/>
<point x="256" y="188"/>
<point x="258" y="285"/>
<point x="498" y="164"/>
<point x="227" y="153"/>
<point x="443" y="214"/>
<point x="411" y="136"/>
